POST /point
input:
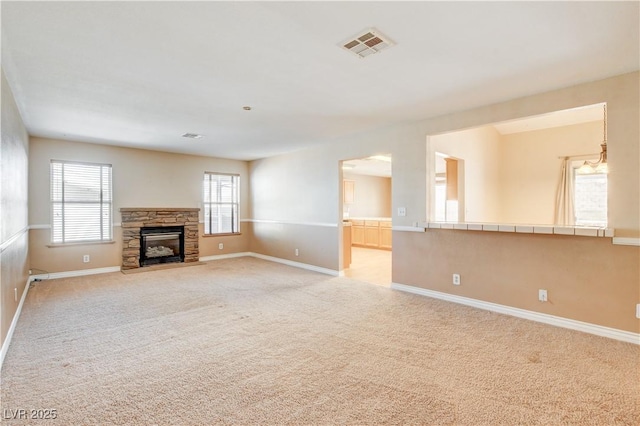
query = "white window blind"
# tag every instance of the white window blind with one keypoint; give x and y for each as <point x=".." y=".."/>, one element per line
<point x="221" y="203"/>
<point x="80" y="202"/>
<point x="590" y="202"/>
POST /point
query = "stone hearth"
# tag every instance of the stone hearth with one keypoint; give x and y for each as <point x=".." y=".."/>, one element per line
<point x="135" y="218"/>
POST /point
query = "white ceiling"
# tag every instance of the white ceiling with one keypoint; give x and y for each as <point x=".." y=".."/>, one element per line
<point x="140" y="74"/>
<point x="566" y="117"/>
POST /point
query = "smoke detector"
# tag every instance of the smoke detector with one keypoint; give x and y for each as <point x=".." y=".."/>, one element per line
<point x="367" y="43"/>
<point x="192" y="136"/>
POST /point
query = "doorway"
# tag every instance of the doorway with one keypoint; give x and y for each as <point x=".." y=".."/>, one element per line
<point x="448" y="189"/>
<point x="366" y="219"/>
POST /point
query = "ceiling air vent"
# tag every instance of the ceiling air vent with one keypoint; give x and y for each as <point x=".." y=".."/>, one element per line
<point x="192" y="136"/>
<point x="367" y="43"/>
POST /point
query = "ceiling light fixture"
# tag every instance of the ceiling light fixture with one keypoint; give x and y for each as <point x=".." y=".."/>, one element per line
<point x="367" y="43"/>
<point x="600" y="166"/>
<point x="191" y="136"/>
<point x="385" y="158"/>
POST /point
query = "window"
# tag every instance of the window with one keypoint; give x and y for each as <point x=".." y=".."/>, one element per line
<point x="590" y="199"/>
<point x="80" y="202"/>
<point x="221" y="203"/>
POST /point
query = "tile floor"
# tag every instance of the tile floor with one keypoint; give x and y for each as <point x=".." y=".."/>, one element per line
<point x="370" y="265"/>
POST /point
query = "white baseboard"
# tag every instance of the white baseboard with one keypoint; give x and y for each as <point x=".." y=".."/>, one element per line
<point x="78" y="273"/>
<point x="296" y="264"/>
<point x="82" y="272"/>
<point x="14" y="322"/>
<point x="598" y="330"/>
<point x="224" y="256"/>
<point x="273" y="259"/>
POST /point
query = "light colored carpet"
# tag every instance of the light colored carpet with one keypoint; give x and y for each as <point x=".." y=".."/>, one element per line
<point x="246" y="341"/>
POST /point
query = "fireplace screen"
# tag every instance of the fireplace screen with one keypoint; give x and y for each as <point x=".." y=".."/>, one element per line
<point x="161" y="245"/>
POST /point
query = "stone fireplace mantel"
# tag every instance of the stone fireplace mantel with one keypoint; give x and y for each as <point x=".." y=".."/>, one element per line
<point x="135" y="218"/>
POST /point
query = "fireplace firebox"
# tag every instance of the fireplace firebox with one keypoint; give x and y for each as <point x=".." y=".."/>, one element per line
<point x="161" y="244"/>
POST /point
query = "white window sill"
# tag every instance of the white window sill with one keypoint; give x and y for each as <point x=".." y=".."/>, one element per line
<point x="79" y="243"/>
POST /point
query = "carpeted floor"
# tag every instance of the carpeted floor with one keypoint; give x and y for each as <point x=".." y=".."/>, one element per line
<point x="246" y="341"/>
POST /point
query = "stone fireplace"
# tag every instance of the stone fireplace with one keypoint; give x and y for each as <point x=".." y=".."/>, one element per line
<point x="159" y="235"/>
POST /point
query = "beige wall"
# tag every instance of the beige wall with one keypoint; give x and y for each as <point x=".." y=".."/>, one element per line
<point x="372" y="196"/>
<point x="305" y="187"/>
<point x="14" y="152"/>
<point x="530" y="168"/>
<point x="140" y="179"/>
<point x="480" y="150"/>
<point x="315" y="244"/>
<point x="587" y="279"/>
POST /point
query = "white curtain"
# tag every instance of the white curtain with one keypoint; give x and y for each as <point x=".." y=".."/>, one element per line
<point x="565" y="213"/>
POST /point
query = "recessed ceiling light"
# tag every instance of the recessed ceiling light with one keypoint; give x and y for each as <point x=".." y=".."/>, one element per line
<point x="192" y="136"/>
<point x="246" y="108"/>
<point x="367" y="43"/>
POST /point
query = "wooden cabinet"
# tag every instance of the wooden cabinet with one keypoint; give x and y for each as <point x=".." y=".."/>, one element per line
<point x="371" y="233"/>
<point x="385" y="235"/>
<point x="357" y="232"/>
<point x="348" y="191"/>
<point x="346" y="246"/>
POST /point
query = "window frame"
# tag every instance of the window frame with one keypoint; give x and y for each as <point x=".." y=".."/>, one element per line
<point x="235" y="205"/>
<point x="102" y="203"/>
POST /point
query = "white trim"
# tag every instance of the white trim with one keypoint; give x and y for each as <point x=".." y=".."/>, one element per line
<point x="77" y="273"/>
<point x="40" y="226"/>
<point x="12" y="239"/>
<point x="585" y="327"/>
<point x="291" y="222"/>
<point x="582" y="231"/>
<point x="296" y="264"/>
<point x="14" y="322"/>
<point x="82" y="272"/>
<point x="224" y="256"/>
<point x="276" y="260"/>
<point x="45" y="226"/>
<point x="623" y="241"/>
<point x="407" y="228"/>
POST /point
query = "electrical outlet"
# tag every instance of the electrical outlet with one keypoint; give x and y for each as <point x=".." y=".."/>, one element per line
<point x="402" y="211"/>
<point x="86" y="258"/>
<point x="220" y="246"/>
<point x="456" y="279"/>
<point x="542" y="295"/>
<point x="297" y="252"/>
<point x="638" y="310"/>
